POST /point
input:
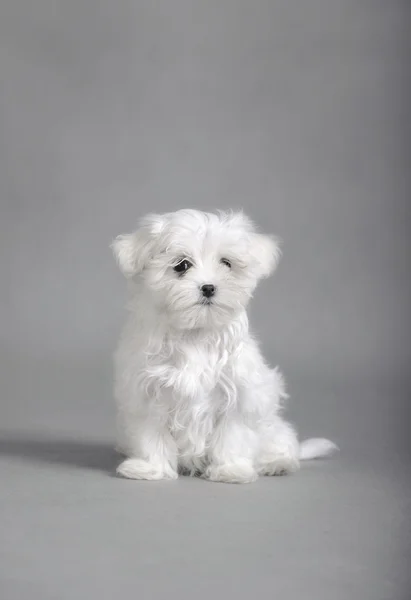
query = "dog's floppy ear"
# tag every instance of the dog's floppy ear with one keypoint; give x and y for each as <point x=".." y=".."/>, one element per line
<point x="133" y="250"/>
<point x="266" y="252"/>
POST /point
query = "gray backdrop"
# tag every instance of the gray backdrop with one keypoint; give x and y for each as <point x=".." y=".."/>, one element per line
<point x="296" y="112"/>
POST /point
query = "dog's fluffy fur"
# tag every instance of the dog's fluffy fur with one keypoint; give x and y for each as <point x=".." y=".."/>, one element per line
<point x="194" y="394"/>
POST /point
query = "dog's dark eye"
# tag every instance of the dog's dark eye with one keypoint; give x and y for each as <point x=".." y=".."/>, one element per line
<point x="183" y="266"/>
<point x="226" y="262"/>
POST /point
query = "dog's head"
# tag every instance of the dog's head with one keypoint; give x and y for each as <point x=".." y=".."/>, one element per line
<point x="200" y="269"/>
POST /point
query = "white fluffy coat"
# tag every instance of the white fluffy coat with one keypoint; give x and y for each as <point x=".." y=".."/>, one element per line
<point x="194" y="394"/>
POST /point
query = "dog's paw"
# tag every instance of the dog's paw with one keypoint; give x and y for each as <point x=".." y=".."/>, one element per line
<point x="279" y="464"/>
<point x="137" y="468"/>
<point x="231" y="473"/>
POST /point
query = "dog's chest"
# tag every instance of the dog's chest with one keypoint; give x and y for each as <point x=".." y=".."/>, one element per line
<point x="191" y="370"/>
<point x="199" y="368"/>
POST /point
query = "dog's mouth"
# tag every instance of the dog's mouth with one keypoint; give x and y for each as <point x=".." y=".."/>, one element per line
<point x="205" y="302"/>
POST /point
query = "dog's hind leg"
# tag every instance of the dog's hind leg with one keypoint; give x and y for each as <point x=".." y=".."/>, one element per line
<point x="279" y="449"/>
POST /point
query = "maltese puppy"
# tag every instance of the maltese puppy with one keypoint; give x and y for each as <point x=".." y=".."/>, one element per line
<point x="193" y="391"/>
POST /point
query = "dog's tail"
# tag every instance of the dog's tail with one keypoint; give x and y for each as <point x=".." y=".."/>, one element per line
<point x="316" y="448"/>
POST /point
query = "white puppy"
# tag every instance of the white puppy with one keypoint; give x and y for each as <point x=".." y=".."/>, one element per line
<point x="193" y="391"/>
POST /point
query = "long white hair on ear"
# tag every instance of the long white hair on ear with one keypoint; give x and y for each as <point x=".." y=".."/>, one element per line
<point x="132" y="250"/>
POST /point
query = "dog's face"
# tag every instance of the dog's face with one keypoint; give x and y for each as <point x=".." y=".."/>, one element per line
<point x="200" y="269"/>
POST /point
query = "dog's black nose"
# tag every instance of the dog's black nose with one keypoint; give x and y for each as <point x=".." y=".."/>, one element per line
<point x="208" y="290"/>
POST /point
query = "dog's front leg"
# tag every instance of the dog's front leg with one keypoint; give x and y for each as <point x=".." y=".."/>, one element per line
<point x="232" y="450"/>
<point x="151" y="450"/>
